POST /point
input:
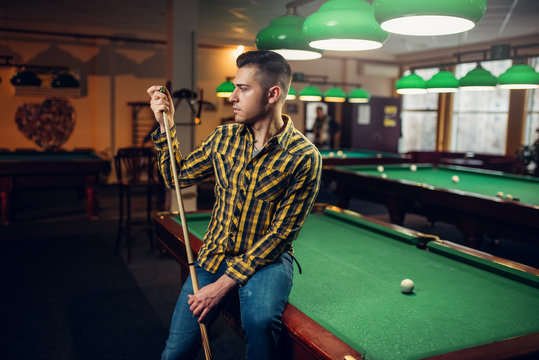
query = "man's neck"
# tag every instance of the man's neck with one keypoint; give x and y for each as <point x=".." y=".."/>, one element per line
<point x="265" y="129"/>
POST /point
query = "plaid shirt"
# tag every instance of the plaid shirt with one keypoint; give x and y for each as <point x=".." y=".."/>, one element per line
<point x="261" y="201"/>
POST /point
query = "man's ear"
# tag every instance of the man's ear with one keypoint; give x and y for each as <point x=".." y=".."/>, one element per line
<point x="274" y="94"/>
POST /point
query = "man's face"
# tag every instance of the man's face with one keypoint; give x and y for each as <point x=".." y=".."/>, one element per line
<point x="249" y="99"/>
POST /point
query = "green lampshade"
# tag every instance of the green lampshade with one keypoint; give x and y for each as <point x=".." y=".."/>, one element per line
<point x="291" y="94"/>
<point x="411" y="84"/>
<point x="225" y="89"/>
<point x="359" y="96"/>
<point x="428" y="17"/>
<point x="335" y="94"/>
<point x="519" y="76"/>
<point x="310" y="93"/>
<point x="478" y="79"/>
<point x="443" y="82"/>
<point x="284" y="36"/>
<point x="344" y="25"/>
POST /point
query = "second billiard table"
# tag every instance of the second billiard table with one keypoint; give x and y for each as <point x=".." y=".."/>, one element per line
<point x="471" y="203"/>
<point x="23" y="169"/>
<point x="333" y="157"/>
<point x="347" y="301"/>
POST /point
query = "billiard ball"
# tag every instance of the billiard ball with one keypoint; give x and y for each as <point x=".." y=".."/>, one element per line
<point x="384" y="176"/>
<point x="378" y="156"/>
<point x="339" y="153"/>
<point x="331" y="154"/>
<point x="380" y="168"/>
<point x="344" y="156"/>
<point x="413" y="167"/>
<point x="407" y="286"/>
<point x="455" y="178"/>
<point x="508" y="197"/>
<point x="499" y="194"/>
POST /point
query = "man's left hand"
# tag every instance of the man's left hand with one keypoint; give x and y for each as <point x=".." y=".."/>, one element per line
<point x="209" y="296"/>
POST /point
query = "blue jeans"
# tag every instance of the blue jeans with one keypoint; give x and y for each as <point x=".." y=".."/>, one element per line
<point x="262" y="300"/>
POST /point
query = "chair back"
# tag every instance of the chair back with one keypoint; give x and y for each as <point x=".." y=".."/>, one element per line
<point x="135" y="165"/>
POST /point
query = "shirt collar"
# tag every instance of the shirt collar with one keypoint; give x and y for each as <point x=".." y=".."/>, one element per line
<point x="283" y="138"/>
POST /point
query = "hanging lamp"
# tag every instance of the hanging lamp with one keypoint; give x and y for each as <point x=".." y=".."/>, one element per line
<point x="284" y="35"/>
<point x="358" y="95"/>
<point x="310" y="93"/>
<point x="411" y="84"/>
<point x="291" y="94"/>
<point x="478" y="79"/>
<point x="519" y="76"/>
<point x="344" y="25"/>
<point x="225" y="89"/>
<point x="443" y="82"/>
<point x="335" y="94"/>
<point x="428" y="17"/>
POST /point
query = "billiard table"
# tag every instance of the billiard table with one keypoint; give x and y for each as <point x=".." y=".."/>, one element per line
<point x="22" y="169"/>
<point x="333" y="157"/>
<point x="471" y="204"/>
<point x="347" y="300"/>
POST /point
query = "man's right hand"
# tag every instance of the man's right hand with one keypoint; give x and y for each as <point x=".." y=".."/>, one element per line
<point x="160" y="102"/>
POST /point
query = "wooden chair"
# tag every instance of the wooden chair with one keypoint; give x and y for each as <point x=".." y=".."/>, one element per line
<point x="135" y="170"/>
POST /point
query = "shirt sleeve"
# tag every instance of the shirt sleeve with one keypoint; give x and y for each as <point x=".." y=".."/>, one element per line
<point x="191" y="169"/>
<point x="288" y="220"/>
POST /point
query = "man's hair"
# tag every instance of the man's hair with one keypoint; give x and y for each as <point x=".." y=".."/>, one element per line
<point x="273" y="69"/>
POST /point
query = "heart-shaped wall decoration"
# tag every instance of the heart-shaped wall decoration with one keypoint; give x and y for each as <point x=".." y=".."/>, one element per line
<point x="48" y="124"/>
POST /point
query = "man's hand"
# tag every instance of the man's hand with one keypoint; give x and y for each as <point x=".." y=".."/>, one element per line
<point x="209" y="296"/>
<point x="160" y="102"/>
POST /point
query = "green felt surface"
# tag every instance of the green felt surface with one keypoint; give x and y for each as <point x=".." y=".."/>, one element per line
<point x="351" y="286"/>
<point x="47" y="156"/>
<point x="355" y="153"/>
<point x="475" y="181"/>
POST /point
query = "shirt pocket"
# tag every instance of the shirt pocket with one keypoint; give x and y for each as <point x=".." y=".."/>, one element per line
<point x="222" y="165"/>
<point x="270" y="184"/>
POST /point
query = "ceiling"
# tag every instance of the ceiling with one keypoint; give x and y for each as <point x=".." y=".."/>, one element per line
<point x="234" y="22"/>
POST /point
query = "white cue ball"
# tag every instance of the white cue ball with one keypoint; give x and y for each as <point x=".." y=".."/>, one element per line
<point x="407" y="286"/>
<point x="499" y="194"/>
<point x="331" y="154"/>
<point x="339" y="153"/>
<point x="508" y="197"/>
<point x="455" y="178"/>
<point x="380" y="168"/>
<point x="413" y="167"/>
<point x="384" y="176"/>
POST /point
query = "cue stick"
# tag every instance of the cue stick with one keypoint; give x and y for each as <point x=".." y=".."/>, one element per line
<point x="189" y="251"/>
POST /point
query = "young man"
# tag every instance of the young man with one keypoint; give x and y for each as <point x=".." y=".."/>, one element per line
<point x="267" y="177"/>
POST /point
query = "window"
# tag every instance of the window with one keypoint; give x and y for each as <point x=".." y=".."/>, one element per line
<point x="532" y="115"/>
<point x="480" y="117"/>
<point x="419" y="117"/>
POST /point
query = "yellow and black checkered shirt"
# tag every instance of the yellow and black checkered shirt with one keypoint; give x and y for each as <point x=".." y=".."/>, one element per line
<point x="262" y="201"/>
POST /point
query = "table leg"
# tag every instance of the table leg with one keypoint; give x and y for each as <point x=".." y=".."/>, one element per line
<point x="6" y="186"/>
<point x="472" y="237"/>
<point x="396" y="210"/>
<point x="91" y="197"/>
